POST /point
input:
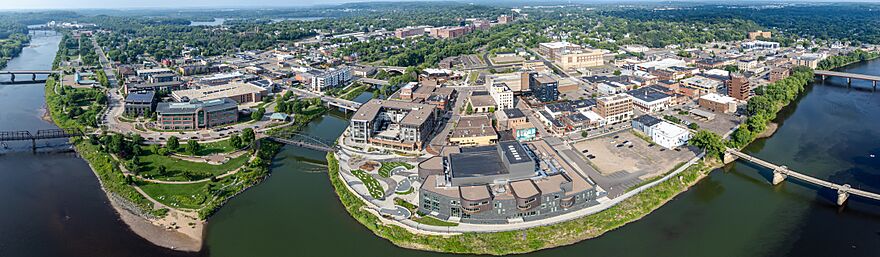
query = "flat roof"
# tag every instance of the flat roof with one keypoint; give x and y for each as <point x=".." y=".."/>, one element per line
<point x="140" y="97"/>
<point x="478" y="161"/>
<point x="193" y="105"/>
<point x="514" y="152"/>
<point x="647" y="120"/>
<point x="219" y="91"/>
<point x="513" y="113"/>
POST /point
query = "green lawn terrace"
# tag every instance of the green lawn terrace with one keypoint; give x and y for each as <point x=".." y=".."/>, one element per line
<point x="387" y="167"/>
<point x="176" y="169"/>
<point x="373" y="185"/>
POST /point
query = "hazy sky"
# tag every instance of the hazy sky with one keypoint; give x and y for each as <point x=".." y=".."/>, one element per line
<point x="89" y="4"/>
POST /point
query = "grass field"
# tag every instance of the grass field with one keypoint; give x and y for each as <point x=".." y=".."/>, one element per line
<point x="180" y="170"/>
<point x="187" y="196"/>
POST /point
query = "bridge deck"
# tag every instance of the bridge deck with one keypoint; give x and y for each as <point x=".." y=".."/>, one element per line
<point x="804" y="177"/>
<point x="29" y="72"/>
<point x="846" y="75"/>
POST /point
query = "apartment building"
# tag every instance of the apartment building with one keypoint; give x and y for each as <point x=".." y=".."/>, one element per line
<point x="393" y="124"/>
<point x="502" y="95"/>
<point x="615" y="109"/>
<point x="330" y="78"/>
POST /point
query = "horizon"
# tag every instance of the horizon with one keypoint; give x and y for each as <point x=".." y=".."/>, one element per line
<point x="41" y="5"/>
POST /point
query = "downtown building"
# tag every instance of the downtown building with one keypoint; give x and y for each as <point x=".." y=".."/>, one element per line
<point x="195" y="114"/>
<point x="500" y="184"/>
<point x="392" y="124"/>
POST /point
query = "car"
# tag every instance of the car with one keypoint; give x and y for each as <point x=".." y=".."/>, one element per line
<point x="678" y="149"/>
<point x="616" y="137"/>
<point x="651" y="145"/>
<point x="591" y="156"/>
<point x="585" y="151"/>
<point x="620" y="145"/>
<point x="630" y="146"/>
<point x="662" y="149"/>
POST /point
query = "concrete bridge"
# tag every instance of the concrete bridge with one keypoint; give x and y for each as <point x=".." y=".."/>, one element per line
<point x="304" y="141"/>
<point x="780" y="173"/>
<point x="849" y="76"/>
<point x="374" y="82"/>
<point x="33" y="74"/>
<point x="397" y="69"/>
<point x="330" y="101"/>
<point x="24" y="135"/>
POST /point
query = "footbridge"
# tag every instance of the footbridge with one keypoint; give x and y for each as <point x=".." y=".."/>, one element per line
<point x="849" y="76"/>
<point x="304" y="141"/>
<point x="33" y="74"/>
<point x="23" y="135"/>
<point x="397" y="69"/>
<point x="780" y="173"/>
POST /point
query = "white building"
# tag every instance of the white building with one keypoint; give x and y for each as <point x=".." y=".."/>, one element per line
<point x="331" y="78"/>
<point x="661" y="132"/>
<point x="670" y="136"/>
<point x="759" y="45"/>
<point x="502" y="95"/>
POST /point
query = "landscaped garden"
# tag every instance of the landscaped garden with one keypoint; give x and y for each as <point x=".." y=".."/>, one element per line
<point x="387" y="167"/>
<point x="373" y="186"/>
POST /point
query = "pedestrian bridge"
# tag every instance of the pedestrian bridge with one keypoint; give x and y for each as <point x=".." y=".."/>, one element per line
<point x="24" y="135"/>
<point x="780" y="173"/>
<point x="304" y="141"/>
<point x="346" y="105"/>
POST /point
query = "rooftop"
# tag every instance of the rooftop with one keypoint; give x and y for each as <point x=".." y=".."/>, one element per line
<point x="193" y="105"/>
<point x="140" y="97"/>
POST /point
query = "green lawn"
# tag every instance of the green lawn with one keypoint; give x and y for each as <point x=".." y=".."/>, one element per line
<point x="376" y="190"/>
<point x="221" y="146"/>
<point x="428" y="220"/>
<point x="385" y="170"/>
<point x="188" y="196"/>
<point x="180" y="170"/>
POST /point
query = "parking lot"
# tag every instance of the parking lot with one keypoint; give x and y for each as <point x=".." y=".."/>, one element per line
<point x="625" y="152"/>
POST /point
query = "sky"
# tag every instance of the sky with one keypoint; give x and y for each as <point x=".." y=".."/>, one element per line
<point x="122" y="4"/>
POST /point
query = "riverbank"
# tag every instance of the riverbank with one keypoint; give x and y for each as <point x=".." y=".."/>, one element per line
<point x="527" y="240"/>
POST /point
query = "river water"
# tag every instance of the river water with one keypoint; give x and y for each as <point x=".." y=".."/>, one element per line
<point x="54" y="206"/>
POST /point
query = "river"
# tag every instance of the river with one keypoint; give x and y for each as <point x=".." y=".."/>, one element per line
<point x="56" y="208"/>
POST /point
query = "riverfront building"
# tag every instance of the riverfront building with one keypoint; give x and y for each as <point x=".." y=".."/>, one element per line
<point x="504" y="183"/>
<point x="240" y="92"/>
<point x="393" y="124"/>
<point x="196" y="114"/>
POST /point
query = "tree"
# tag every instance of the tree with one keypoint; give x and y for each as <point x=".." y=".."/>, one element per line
<point x="161" y="170"/>
<point x="693" y="126"/>
<point x="584" y="133"/>
<point x="616" y="72"/>
<point x="235" y="141"/>
<point x="759" y="105"/>
<point x="709" y="142"/>
<point x="247" y="135"/>
<point x="258" y="114"/>
<point x="192" y="146"/>
<point x="173" y="143"/>
<point x="469" y="109"/>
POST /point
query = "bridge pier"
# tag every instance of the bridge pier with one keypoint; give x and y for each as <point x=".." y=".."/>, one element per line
<point x="34" y="76"/>
<point x="779" y="175"/>
<point x="824" y="77"/>
<point x="13" y="77"/>
<point x="33" y="145"/>
<point x="843" y="194"/>
<point x="729" y="157"/>
<point x="849" y="82"/>
<point x="874" y="84"/>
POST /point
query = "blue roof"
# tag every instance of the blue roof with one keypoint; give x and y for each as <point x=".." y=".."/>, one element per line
<point x="140" y="97"/>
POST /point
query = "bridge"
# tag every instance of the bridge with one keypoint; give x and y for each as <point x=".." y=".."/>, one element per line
<point x="23" y="135"/>
<point x="849" y="76"/>
<point x="304" y="141"/>
<point x="330" y="101"/>
<point x="780" y="173"/>
<point x="397" y="69"/>
<point x="33" y="74"/>
<point x="375" y="82"/>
